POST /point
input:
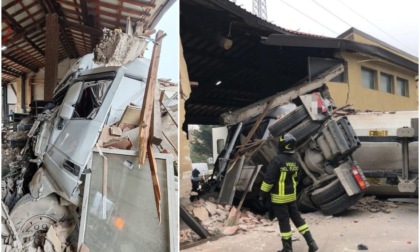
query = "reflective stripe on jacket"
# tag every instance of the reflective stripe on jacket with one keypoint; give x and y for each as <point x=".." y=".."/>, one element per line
<point x="280" y="178"/>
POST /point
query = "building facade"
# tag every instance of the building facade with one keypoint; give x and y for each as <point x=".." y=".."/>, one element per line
<point x="372" y="83"/>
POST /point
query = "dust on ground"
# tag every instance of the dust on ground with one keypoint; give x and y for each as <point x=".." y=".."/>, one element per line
<point x="380" y="225"/>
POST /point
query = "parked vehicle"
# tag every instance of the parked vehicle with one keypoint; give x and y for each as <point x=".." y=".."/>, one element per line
<point x="389" y="152"/>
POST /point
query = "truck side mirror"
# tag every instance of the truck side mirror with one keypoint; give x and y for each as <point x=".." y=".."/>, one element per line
<point x="67" y="108"/>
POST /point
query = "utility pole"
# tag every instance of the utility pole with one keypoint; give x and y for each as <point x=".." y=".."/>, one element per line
<point x="259" y="8"/>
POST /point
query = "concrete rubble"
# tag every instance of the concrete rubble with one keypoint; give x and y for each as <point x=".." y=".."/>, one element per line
<point x="213" y="217"/>
<point x="374" y="206"/>
<point x="118" y="48"/>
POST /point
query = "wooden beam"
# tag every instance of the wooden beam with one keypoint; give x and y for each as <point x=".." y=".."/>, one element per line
<point x="126" y="10"/>
<point x="85" y="13"/>
<point x="156" y="118"/>
<point x="25" y="65"/>
<point x="9" y="72"/>
<point x="82" y="28"/>
<point x="52" y="30"/>
<point x="155" y="178"/>
<point x="140" y="3"/>
<point x="29" y="29"/>
<point x="147" y="108"/>
<point x="280" y="98"/>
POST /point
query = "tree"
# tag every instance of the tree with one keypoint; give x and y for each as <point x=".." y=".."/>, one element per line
<point x="201" y="144"/>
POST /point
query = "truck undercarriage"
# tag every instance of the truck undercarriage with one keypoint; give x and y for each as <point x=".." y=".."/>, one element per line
<point x="331" y="180"/>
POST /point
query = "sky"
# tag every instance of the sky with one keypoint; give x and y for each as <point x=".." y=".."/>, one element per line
<point x="394" y="22"/>
<point x="168" y="63"/>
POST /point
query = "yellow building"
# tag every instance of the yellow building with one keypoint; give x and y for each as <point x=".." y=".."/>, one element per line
<point x="373" y="83"/>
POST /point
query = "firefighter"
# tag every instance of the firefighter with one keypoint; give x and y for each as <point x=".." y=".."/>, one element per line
<point x="280" y="182"/>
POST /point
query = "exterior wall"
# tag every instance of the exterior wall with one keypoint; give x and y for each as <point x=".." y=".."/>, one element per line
<point x="359" y="38"/>
<point x="353" y="92"/>
<point x="184" y="150"/>
<point x="18" y="86"/>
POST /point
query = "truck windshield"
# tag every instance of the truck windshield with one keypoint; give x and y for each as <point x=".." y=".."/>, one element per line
<point x="92" y="95"/>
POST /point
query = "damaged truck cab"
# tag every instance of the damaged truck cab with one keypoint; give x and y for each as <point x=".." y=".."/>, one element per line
<point x="93" y="98"/>
<point x="48" y="186"/>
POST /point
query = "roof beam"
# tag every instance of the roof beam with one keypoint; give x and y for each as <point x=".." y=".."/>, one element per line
<point x="83" y="5"/>
<point x="124" y="9"/>
<point x="140" y="3"/>
<point x="11" y="58"/>
<point x="29" y="29"/>
<point x="18" y="29"/>
<point x="9" y="72"/>
<point x="64" y="39"/>
<point x="82" y="28"/>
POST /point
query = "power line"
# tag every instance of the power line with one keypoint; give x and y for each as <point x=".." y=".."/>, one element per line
<point x="376" y="26"/>
<point x="309" y="17"/>
<point x="320" y="5"/>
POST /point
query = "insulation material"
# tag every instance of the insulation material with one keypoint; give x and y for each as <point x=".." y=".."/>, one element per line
<point x="117" y="48"/>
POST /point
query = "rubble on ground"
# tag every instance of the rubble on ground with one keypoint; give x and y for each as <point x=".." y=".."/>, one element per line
<point x="16" y="139"/>
<point x="213" y="217"/>
<point x="374" y="206"/>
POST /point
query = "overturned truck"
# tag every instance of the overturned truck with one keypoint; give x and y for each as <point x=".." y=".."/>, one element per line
<point x="331" y="180"/>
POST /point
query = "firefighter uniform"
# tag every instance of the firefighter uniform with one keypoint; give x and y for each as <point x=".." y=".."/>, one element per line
<point x="280" y="180"/>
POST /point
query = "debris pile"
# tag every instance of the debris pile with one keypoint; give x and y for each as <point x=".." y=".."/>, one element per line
<point x="16" y="139"/>
<point x="214" y="218"/>
<point x="118" y="48"/>
<point x="374" y="206"/>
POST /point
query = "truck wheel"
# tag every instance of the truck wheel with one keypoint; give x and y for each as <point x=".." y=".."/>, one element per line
<point x="340" y="204"/>
<point x="305" y="129"/>
<point x="327" y="193"/>
<point x="37" y="216"/>
<point x="304" y="203"/>
<point x="289" y="121"/>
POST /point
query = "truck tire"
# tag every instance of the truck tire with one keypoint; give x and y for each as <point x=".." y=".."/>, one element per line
<point x="37" y="216"/>
<point x="305" y="204"/>
<point x="305" y="129"/>
<point x="327" y="193"/>
<point x="289" y="121"/>
<point x="340" y="204"/>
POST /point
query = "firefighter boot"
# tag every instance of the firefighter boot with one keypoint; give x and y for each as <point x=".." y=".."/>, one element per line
<point x="310" y="241"/>
<point x="287" y="245"/>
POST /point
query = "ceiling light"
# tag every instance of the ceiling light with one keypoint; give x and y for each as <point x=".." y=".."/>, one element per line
<point x="218" y="83"/>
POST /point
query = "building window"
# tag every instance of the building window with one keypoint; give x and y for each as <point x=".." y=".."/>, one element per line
<point x="369" y="78"/>
<point x="402" y="87"/>
<point x="387" y="83"/>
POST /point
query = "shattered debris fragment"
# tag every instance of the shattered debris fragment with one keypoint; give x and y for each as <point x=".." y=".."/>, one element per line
<point x="117" y="48"/>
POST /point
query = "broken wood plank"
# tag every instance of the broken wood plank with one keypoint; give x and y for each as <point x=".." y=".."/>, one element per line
<point x="256" y="124"/>
<point x="170" y="142"/>
<point x="156" y="118"/>
<point x="155" y="179"/>
<point x="130" y="118"/>
<point x="147" y="108"/>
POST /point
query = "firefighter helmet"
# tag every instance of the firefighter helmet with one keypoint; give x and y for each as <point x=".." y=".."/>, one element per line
<point x="287" y="143"/>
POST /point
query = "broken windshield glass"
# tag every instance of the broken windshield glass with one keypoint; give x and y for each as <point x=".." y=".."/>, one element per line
<point x="91" y="98"/>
